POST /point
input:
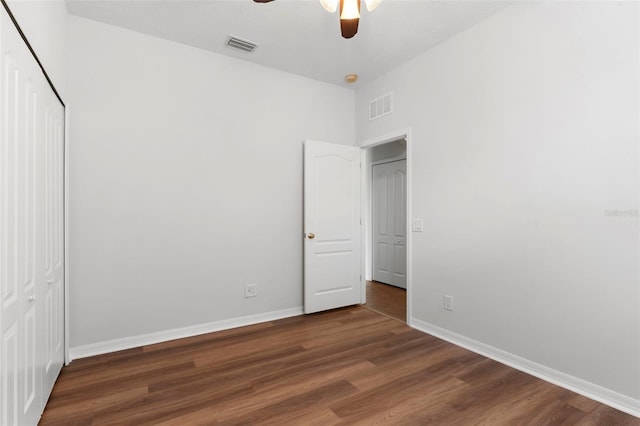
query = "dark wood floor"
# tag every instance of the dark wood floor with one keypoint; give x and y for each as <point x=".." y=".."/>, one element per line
<point x="387" y="299"/>
<point x="348" y="366"/>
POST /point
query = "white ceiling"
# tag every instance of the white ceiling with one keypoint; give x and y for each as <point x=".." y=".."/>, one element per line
<point x="298" y="36"/>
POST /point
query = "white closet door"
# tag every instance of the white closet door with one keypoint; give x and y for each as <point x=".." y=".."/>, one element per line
<point x="389" y="223"/>
<point x="20" y="306"/>
<point x="53" y="231"/>
<point x="31" y="229"/>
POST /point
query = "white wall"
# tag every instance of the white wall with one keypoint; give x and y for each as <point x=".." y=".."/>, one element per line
<point x="44" y="23"/>
<point x="186" y="182"/>
<point x="525" y="133"/>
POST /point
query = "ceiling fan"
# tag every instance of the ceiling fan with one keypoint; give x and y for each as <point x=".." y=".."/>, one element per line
<point x="349" y="13"/>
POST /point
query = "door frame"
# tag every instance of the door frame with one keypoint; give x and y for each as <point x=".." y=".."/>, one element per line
<point x="367" y="207"/>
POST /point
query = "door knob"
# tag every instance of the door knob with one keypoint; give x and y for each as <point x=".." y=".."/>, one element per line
<point x="311" y="235"/>
<point x="31" y="298"/>
<point x="49" y="282"/>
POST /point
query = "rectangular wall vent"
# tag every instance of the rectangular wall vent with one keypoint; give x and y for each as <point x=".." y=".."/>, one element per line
<point x="240" y="44"/>
<point x="381" y="106"/>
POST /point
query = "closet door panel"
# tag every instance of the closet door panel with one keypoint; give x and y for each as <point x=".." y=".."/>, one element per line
<point x="389" y="223"/>
<point x="20" y="311"/>
<point x="54" y="245"/>
<point x="9" y="293"/>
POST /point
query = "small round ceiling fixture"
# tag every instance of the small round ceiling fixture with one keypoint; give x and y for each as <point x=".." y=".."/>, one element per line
<point x="351" y="78"/>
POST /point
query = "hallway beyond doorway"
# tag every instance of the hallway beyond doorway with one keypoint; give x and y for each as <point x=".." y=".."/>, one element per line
<point x="387" y="300"/>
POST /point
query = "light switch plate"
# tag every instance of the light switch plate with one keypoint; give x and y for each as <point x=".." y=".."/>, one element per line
<point x="417" y="225"/>
<point x="250" y="290"/>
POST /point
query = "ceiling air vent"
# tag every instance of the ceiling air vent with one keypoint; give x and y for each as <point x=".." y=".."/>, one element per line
<point x="381" y="106"/>
<point x="240" y="44"/>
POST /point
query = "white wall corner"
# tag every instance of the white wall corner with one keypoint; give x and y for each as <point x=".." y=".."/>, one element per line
<point x="108" y="346"/>
<point x="590" y="390"/>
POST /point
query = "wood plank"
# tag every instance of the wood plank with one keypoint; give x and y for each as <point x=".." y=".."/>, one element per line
<point x="347" y="366"/>
<point x="387" y="300"/>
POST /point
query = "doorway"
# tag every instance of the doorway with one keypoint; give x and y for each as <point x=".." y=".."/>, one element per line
<point x="386" y="228"/>
<point x="339" y="278"/>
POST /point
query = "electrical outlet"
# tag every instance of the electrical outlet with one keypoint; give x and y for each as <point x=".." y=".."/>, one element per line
<point x="250" y="290"/>
<point x="448" y="303"/>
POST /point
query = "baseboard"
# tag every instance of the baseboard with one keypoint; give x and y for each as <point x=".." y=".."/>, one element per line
<point x="598" y="393"/>
<point x="100" y="348"/>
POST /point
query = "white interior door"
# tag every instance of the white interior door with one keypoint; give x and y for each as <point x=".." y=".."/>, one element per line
<point x="31" y="232"/>
<point x="332" y="247"/>
<point x="20" y="304"/>
<point x="53" y="230"/>
<point x="389" y="223"/>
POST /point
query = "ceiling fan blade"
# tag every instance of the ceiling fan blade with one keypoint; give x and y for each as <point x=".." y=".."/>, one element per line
<point x="262" y="1"/>
<point x="349" y="17"/>
<point x="349" y="27"/>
